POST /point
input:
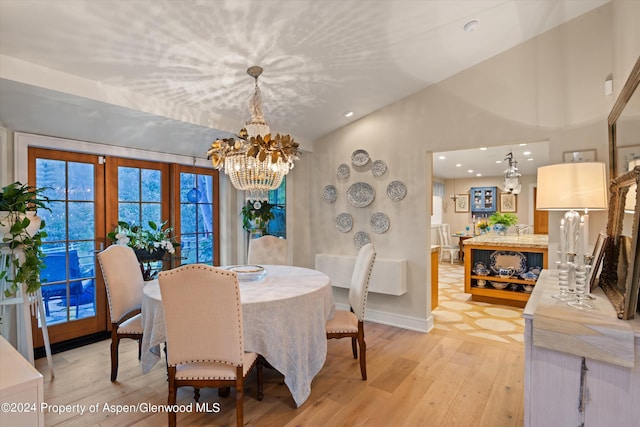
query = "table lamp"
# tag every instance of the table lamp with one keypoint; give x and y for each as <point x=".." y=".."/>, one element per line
<point x="570" y="187"/>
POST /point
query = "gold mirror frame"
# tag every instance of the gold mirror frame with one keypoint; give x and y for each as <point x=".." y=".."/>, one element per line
<point x="621" y="255"/>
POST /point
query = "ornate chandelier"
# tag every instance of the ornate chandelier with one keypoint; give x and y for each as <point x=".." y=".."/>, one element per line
<point x="254" y="160"/>
<point x="512" y="176"/>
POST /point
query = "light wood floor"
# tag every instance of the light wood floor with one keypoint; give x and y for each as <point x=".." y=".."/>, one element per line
<point x="442" y="378"/>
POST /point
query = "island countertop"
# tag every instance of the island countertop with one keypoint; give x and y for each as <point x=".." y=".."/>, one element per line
<point x="524" y="240"/>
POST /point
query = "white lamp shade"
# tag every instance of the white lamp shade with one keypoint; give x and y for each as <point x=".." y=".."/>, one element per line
<point x="572" y="186"/>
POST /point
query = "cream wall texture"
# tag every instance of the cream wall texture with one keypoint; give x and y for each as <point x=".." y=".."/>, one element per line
<point x="550" y="88"/>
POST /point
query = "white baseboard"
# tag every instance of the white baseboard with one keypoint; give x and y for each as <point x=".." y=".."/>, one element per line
<point x="393" y="319"/>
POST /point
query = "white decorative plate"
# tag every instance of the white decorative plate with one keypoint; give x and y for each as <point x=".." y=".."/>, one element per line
<point x="360" y="239"/>
<point x="248" y="273"/>
<point x="329" y="194"/>
<point x="379" y="222"/>
<point x="359" y="158"/>
<point x="378" y="168"/>
<point x="396" y="190"/>
<point x="508" y="259"/>
<point x="343" y="171"/>
<point x="344" y="222"/>
<point x="360" y="194"/>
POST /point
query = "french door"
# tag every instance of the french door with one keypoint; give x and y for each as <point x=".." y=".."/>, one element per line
<point x="89" y="194"/>
<point x="73" y="291"/>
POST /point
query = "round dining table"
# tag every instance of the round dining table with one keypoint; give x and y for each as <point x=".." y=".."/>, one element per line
<point x="284" y="317"/>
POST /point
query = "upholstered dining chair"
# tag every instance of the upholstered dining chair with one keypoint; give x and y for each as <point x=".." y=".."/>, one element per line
<point x="350" y="324"/>
<point x="204" y="332"/>
<point x="268" y="250"/>
<point x="446" y="245"/>
<point x="123" y="281"/>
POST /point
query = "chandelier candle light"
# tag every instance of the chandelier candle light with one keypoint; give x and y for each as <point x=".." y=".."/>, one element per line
<point x="254" y="160"/>
<point x="568" y="187"/>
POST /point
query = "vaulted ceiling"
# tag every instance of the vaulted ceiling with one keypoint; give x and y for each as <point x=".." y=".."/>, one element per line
<point x="171" y="75"/>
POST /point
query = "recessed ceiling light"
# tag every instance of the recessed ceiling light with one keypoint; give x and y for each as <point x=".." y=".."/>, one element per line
<point x="478" y="174"/>
<point x="348" y="114"/>
<point x="498" y="161"/>
<point x="529" y="159"/>
<point x="458" y="165"/>
<point x="526" y="153"/>
<point x="522" y="144"/>
<point x="442" y="157"/>
<point x="470" y="170"/>
<point x="470" y="25"/>
<point x="483" y="148"/>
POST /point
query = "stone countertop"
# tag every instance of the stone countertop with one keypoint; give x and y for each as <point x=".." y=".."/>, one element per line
<point x="524" y="240"/>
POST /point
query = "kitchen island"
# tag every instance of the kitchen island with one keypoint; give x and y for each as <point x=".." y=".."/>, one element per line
<point x="503" y="269"/>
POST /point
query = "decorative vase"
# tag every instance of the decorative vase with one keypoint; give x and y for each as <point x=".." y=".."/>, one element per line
<point x="144" y="255"/>
<point x="500" y="229"/>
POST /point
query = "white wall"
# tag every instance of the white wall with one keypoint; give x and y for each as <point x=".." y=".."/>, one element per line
<point x="550" y="88"/>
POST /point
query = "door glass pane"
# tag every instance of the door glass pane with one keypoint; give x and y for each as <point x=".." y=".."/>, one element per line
<point x="151" y="185"/>
<point x="129" y="212"/>
<point x="128" y="184"/>
<point x="81" y="181"/>
<point x="196" y="218"/>
<point x="82" y="216"/>
<point x="151" y="212"/>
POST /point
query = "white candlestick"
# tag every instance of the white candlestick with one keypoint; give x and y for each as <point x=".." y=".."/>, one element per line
<point x="580" y="248"/>
<point x="586" y="231"/>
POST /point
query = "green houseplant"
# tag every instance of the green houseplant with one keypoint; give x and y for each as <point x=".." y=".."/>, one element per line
<point x="22" y="230"/>
<point x="256" y="215"/>
<point x="150" y="243"/>
<point x="502" y="221"/>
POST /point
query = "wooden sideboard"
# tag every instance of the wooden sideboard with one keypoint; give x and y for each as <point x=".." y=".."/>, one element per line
<point x="533" y="247"/>
<point x="557" y="340"/>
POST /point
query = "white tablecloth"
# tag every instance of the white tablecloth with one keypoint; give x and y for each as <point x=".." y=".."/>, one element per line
<point x="284" y="320"/>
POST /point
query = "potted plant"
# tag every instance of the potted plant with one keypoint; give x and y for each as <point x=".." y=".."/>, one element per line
<point x="256" y="215"/>
<point x="483" y="226"/>
<point x="21" y="229"/>
<point x="150" y="243"/>
<point x="502" y="221"/>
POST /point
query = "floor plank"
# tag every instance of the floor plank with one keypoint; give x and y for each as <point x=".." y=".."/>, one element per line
<point x="449" y="377"/>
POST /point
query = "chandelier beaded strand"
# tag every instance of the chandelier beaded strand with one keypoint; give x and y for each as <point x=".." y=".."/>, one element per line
<point x="254" y="160"/>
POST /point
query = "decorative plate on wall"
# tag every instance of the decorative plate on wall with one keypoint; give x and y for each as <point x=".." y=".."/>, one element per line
<point x="360" y="239"/>
<point x="359" y="158"/>
<point x="396" y="191"/>
<point x="379" y="222"/>
<point x="378" y="168"/>
<point x="360" y="194"/>
<point x="329" y="194"/>
<point x="344" y="222"/>
<point x="343" y="171"/>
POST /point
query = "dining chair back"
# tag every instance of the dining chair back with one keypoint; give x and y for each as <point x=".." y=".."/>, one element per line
<point x="446" y="245"/>
<point x="350" y="324"/>
<point x="268" y="250"/>
<point x="195" y="295"/>
<point x="123" y="282"/>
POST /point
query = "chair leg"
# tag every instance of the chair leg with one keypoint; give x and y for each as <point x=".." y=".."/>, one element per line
<point x="115" y="342"/>
<point x="239" y="397"/>
<point x="354" y="347"/>
<point x="139" y="348"/>
<point x="363" y="351"/>
<point x="196" y="394"/>
<point x="259" y="366"/>
<point x="171" y="399"/>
